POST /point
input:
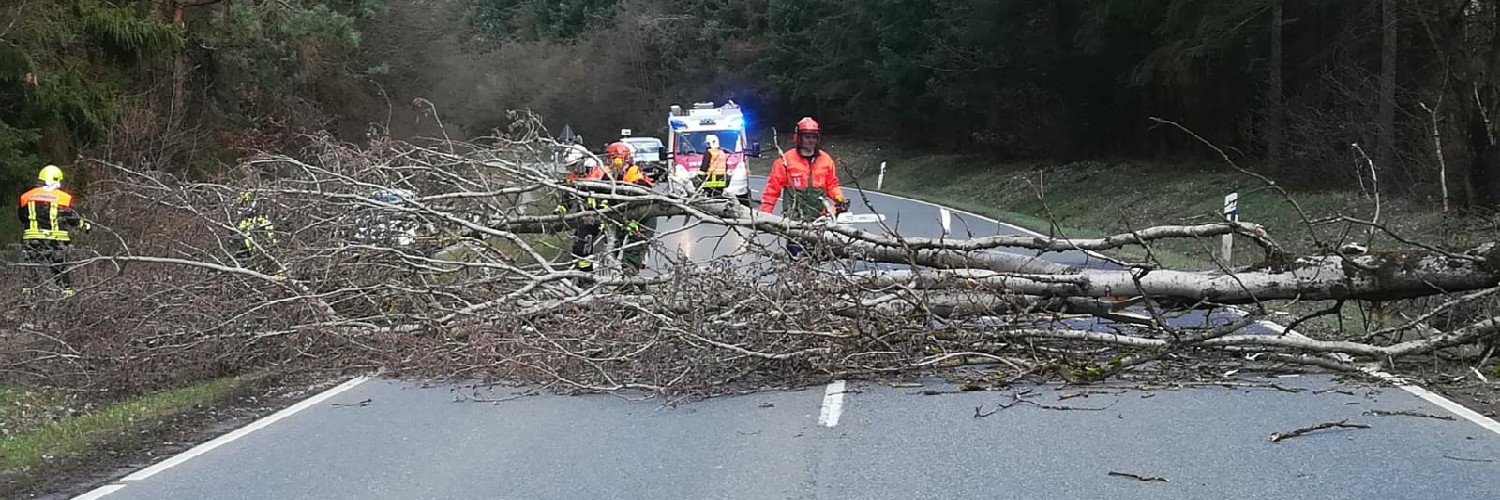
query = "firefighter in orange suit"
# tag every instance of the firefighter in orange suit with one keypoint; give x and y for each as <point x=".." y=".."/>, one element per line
<point x="805" y="175"/>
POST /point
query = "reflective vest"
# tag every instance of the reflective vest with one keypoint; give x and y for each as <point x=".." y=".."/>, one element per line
<point x="43" y="211"/>
<point x="717" y="168"/>
<point x="256" y="224"/>
<point x="632" y="175"/>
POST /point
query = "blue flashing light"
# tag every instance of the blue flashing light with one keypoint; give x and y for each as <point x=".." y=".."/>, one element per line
<point x="678" y="124"/>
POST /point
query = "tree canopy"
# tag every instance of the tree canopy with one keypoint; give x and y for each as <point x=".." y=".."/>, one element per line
<point x="1288" y="87"/>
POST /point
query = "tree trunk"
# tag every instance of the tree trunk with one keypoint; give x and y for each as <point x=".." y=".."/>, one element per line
<point x="1386" y="119"/>
<point x="1276" y="143"/>
<point x="1478" y="98"/>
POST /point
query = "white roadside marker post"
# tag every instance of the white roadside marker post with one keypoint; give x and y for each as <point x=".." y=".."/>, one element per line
<point x="1231" y="214"/>
<point x="947" y="220"/>
<point x="880" y="180"/>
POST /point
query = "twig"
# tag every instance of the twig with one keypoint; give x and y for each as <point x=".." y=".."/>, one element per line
<point x="366" y="402"/>
<point x="1138" y="477"/>
<point x="463" y="398"/>
<point x="1281" y="436"/>
<point x="1462" y="459"/>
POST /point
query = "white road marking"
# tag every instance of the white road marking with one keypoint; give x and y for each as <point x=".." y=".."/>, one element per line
<point x="1418" y="391"/>
<point x="99" y="492"/>
<point x="1445" y="403"/>
<point x="833" y="404"/>
<point x="243" y="431"/>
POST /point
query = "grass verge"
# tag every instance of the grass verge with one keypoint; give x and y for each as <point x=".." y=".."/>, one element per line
<point x="74" y="434"/>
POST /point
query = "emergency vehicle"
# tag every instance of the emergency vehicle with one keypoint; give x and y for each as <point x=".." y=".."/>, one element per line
<point x="688" y="130"/>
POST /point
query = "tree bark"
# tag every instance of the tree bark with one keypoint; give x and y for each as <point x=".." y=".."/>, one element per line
<point x="1478" y="97"/>
<point x="1365" y="277"/>
<point x="1385" y="145"/>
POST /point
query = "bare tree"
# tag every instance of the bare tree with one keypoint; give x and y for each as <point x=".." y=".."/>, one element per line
<point x="449" y="260"/>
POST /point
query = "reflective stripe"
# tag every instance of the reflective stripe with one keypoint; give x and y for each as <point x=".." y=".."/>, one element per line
<point x="252" y="225"/>
<point x="52" y="219"/>
<point x="34" y="229"/>
<point x="717" y="169"/>
<point x="31" y="211"/>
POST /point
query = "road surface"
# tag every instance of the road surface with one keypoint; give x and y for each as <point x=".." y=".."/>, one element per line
<point x="848" y="440"/>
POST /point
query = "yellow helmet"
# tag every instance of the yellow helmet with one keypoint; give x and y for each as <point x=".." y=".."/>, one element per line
<point x="50" y="174"/>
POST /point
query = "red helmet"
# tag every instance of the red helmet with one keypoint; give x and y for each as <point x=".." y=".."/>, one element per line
<point x="619" y="150"/>
<point x="806" y="126"/>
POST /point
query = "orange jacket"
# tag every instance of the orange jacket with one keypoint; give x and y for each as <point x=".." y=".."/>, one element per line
<point x="632" y="175"/>
<point x="791" y="170"/>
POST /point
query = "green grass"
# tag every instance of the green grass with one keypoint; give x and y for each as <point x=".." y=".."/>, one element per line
<point x="72" y="435"/>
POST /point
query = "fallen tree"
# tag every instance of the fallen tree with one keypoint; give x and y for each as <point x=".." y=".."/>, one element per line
<point x="466" y="273"/>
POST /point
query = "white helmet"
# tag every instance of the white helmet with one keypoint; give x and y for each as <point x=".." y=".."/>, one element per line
<point x="711" y="141"/>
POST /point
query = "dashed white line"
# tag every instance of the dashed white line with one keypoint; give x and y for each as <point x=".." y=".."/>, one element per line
<point x="1418" y="391"/>
<point x="833" y="404"/>
<point x="221" y="440"/>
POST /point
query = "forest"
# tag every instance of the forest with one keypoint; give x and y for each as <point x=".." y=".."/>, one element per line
<point x="1289" y="88"/>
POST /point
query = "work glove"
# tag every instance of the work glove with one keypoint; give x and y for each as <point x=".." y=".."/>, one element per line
<point x="634" y="227"/>
<point x="841" y="206"/>
<point x="84" y="226"/>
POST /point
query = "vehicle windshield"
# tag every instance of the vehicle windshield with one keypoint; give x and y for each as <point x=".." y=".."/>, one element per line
<point x="645" y="146"/>
<point x="692" y="143"/>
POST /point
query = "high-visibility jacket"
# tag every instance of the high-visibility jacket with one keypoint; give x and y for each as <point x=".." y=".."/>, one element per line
<point x="46" y="213"/>
<point x="808" y="181"/>
<point x="632" y="174"/>
<point x="257" y="226"/>
<point x="715" y="168"/>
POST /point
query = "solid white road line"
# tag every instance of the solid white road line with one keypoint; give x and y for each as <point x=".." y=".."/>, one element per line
<point x="833" y="404"/>
<point x="1445" y="403"/>
<point x="243" y="431"/>
<point x="221" y="440"/>
<point x="1418" y="391"/>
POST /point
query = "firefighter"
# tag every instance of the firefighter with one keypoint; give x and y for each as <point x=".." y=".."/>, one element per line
<point x="806" y="175"/>
<point x="714" y="171"/>
<point x="620" y="167"/>
<point x="46" y="213"/>
<point x="256" y="232"/>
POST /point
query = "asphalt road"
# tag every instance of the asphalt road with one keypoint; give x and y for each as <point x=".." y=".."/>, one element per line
<point x="858" y="441"/>
<point x="889" y="443"/>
